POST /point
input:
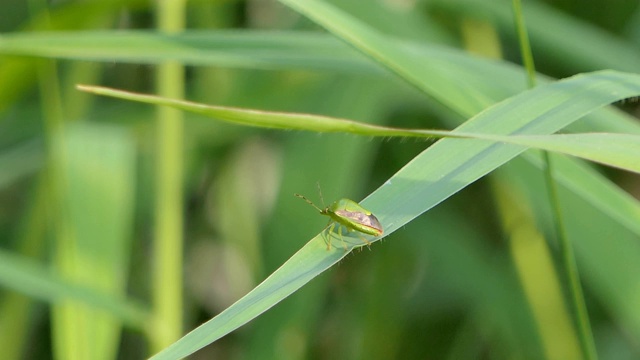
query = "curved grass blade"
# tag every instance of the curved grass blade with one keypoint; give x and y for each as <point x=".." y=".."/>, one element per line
<point x="600" y="88"/>
<point x="587" y="187"/>
<point x="437" y="173"/>
<point x="398" y="56"/>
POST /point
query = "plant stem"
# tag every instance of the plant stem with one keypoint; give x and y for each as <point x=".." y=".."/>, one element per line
<point x="525" y="46"/>
<point x="567" y="256"/>
<point x="167" y="274"/>
<point x="570" y="269"/>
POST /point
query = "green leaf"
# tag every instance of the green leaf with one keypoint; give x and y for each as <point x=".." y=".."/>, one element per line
<point x="252" y="49"/>
<point x="19" y="161"/>
<point x="437" y="173"/>
<point x="561" y="35"/>
<point x="619" y="150"/>
<point x="28" y="277"/>
<point x="96" y="168"/>
<point x="401" y="57"/>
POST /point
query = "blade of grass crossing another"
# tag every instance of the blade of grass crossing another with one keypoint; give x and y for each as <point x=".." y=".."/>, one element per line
<point x="573" y="98"/>
<point x="430" y="178"/>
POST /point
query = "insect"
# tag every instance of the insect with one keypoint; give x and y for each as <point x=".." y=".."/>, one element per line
<point x="350" y="215"/>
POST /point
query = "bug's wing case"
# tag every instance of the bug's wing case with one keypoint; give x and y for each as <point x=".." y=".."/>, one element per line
<point x="361" y="221"/>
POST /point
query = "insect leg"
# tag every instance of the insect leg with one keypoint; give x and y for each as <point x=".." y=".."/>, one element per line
<point x="365" y="240"/>
<point x="361" y="237"/>
<point x="344" y="244"/>
<point x="320" y="192"/>
<point x="330" y="226"/>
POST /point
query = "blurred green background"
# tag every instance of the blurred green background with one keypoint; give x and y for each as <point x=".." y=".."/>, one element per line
<point x="123" y="226"/>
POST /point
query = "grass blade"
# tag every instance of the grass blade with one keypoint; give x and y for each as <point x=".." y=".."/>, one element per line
<point x="249" y="49"/>
<point x="28" y="277"/>
<point x="97" y="172"/>
<point x="602" y="88"/>
<point x="433" y="176"/>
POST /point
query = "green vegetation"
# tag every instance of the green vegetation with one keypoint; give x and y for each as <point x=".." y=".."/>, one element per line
<point x="147" y="179"/>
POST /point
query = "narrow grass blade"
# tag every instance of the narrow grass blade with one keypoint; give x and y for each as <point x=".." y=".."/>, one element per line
<point x="307" y="263"/>
<point x="398" y="56"/>
<point x="561" y="35"/>
<point x="601" y="88"/>
<point x="437" y="173"/>
<point x="30" y="278"/>
<point x="250" y="49"/>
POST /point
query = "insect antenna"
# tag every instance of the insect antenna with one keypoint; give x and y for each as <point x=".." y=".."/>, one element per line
<point x="320" y="192"/>
<point x="308" y="201"/>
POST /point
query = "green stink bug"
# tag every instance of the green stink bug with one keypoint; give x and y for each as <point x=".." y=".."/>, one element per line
<point x="352" y="216"/>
